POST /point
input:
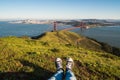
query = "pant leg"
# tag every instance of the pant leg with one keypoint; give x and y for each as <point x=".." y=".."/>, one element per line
<point x="58" y="75"/>
<point x="70" y="75"/>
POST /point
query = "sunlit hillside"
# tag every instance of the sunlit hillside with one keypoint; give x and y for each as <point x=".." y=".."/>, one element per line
<point x="27" y="58"/>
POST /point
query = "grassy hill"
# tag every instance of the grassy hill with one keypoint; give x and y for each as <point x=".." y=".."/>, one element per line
<point x="33" y="58"/>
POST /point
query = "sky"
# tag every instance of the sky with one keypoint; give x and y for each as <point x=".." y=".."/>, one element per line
<point x="59" y="9"/>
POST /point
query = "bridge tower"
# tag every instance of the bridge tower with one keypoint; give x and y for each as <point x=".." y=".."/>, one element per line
<point x="55" y="26"/>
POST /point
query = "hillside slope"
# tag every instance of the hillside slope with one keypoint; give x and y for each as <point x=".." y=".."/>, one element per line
<point x="33" y="59"/>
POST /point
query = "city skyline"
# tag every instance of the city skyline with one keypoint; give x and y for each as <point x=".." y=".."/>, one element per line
<point x="59" y="9"/>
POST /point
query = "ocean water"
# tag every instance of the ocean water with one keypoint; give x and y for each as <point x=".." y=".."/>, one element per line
<point x="8" y="29"/>
<point x="108" y="34"/>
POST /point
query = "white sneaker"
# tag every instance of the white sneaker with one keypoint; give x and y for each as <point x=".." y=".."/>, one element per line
<point x="58" y="63"/>
<point x="70" y="63"/>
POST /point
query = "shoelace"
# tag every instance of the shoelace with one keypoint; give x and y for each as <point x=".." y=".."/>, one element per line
<point x="69" y="64"/>
<point x="59" y="64"/>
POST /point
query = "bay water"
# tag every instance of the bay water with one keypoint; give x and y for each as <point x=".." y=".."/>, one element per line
<point x="107" y="34"/>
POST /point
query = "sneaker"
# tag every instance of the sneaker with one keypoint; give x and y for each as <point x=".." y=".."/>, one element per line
<point x="69" y="64"/>
<point x="58" y="63"/>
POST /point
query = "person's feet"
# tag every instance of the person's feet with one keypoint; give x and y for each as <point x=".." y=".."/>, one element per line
<point x="70" y="64"/>
<point x="58" y="63"/>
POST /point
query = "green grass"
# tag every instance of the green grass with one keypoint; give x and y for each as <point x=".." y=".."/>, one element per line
<point x="33" y="59"/>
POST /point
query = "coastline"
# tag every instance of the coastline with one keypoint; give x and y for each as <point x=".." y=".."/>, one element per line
<point x="26" y="34"/>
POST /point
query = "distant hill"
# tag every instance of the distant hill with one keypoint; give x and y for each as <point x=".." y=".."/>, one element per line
<point x="26" y="58"/>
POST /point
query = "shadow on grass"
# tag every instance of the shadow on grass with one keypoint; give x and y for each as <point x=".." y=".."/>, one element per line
<point x="39" y="73"/>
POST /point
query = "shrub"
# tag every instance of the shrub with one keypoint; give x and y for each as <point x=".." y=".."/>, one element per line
<point x="55" y="50"/>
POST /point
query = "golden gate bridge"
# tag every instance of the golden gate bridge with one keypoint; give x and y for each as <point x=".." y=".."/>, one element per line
<point x="82" y="26"/>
